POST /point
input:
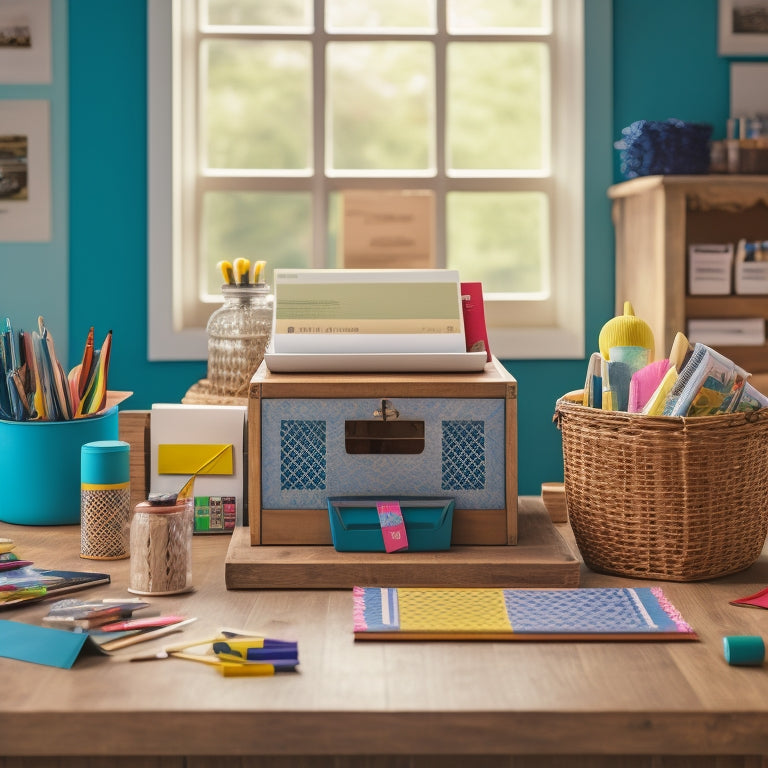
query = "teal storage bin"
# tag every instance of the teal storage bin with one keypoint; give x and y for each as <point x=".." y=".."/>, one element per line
<point x="40" y="467"/>
<point x="355" y="522"/>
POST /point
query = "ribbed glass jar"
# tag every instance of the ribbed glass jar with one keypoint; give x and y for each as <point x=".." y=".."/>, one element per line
<point x="238" y="334"/>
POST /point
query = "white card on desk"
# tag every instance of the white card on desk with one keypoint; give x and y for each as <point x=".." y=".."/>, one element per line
<point x="201" y="440"/>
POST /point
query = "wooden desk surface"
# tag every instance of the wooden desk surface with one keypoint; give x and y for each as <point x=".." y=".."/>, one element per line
<point x="436" y="702"/>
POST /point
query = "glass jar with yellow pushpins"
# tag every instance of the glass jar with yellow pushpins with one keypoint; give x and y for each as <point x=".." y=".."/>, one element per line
<point x="239" y="331"/>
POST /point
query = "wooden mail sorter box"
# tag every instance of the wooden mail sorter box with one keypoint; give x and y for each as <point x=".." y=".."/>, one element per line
<point x="312" y="436"/>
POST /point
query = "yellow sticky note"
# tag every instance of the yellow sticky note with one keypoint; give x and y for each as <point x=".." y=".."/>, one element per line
<point x="195" y="459"/>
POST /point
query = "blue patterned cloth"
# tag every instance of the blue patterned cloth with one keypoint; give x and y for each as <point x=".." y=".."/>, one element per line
<point x="672" y="146"/>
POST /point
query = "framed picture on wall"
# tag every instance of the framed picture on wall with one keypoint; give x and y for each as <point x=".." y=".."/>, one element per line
<point x="25" y="171"/>
<point x="25" y="41"/>
<point x="743" y="28"/>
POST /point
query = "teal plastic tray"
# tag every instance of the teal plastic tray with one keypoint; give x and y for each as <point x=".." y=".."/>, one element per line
<point x="355" y="522"/>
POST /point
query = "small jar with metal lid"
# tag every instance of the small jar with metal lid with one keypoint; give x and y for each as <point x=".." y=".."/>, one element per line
<point x="238" y="334"/>
<point x="161" y="548"/>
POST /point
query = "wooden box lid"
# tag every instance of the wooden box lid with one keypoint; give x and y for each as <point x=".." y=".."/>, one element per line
<point x="494" y="381"/>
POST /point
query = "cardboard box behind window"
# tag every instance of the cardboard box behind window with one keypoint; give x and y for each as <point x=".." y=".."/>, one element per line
<point x="387" y="229"/>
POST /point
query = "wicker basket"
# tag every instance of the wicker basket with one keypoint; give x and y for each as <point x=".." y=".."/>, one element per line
<point x="676" y="499"/>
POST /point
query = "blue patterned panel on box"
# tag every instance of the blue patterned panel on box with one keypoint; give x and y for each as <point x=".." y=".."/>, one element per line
<point x="463" y="455"/>
<point x="302" y="455"/>
<point x="304" y="458"/>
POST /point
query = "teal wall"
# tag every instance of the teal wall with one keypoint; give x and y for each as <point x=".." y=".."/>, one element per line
<point x="33" y="276"/>
<point x="662" y="62"/>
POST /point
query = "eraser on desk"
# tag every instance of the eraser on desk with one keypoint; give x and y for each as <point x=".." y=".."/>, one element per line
<point x="744" y="650"/>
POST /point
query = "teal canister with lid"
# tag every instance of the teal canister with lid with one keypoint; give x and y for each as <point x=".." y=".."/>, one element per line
<point x="105" y="500"/>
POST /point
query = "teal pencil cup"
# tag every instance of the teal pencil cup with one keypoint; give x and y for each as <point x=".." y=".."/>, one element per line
<point x="40" y="467"/>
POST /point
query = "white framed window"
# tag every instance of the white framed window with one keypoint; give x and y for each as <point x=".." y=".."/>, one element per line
<point x="263" y="115"/>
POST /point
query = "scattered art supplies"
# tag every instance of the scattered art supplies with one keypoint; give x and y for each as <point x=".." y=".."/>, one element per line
<point x="9" y="560"/>
<point x="28" y="584"/>
<point x="44" y="645"/>
<point x="83" y="615"/>
<point x="54" y="646"/>
<point x="34" y="385"/>
<point x="603" y="613"/>
<point x="234" y="653"/>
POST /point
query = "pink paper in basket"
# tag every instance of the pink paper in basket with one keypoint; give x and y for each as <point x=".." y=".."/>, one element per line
<point x="644" y="383"/>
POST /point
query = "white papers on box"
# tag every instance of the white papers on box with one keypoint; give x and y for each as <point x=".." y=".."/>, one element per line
<point x="370" y="311"/>
<point x="709" y="269"/>
<point x="744" y="331"/>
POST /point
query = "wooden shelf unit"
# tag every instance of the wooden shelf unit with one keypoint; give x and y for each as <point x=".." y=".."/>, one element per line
<point x="656" y="218"/>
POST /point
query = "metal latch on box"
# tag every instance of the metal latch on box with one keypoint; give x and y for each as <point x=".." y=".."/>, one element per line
<point x="386" y="433"/>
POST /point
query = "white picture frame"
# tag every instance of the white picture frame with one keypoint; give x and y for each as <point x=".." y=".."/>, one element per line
<point x="749" y="88"/>
<point x="742" y="28"/>
<point x="25" y="42"/>
<point x="25" y="171"/>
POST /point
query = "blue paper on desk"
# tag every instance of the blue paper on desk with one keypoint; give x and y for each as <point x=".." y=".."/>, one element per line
<point x="41" y="645"/>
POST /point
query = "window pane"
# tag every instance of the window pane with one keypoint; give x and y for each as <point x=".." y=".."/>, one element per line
<point x="500" y="239"/>
<point x="257" y="13"/>
<point x="379" y="14"/>
<point x="380" y="106"/>
<point x="497" y="15"/>
<point x="335" y="259"/>
<point x="259" y="101"/>
<point x="273" y="226"/>
<point x="497" y="106"/>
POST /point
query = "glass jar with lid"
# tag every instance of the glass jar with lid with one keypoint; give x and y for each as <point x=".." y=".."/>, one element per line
<point x="238" y="334"/>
